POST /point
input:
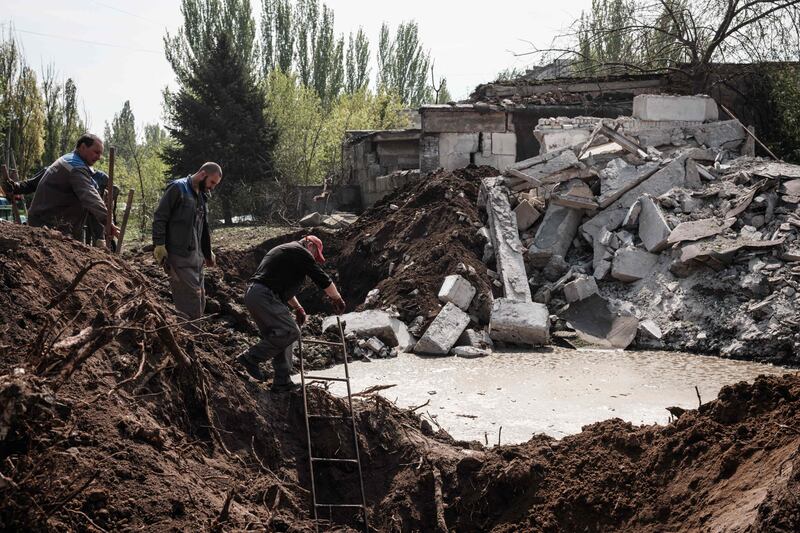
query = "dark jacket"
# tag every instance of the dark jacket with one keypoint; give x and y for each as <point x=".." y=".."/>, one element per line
<point x="173" y="221"/>
<point x="64" y="196"/>
<point x="285" y="267"/>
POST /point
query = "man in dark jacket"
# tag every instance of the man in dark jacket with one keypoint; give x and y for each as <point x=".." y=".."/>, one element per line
<point x="272" y="291"/>
<point x="182" y="239"/>
<point x="66" y="191"/>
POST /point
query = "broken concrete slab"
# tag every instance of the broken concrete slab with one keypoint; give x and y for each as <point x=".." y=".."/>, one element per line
<point x="515" y="322"/>
<point x="631" y="219"/>
<point x="507" y="246"/>
<point x="610" y="219"/>
<point x="595" y="323"/>
<point x="555" y="234"/>
<point x="470" y="352"/>
<point x="662" y="107"/>
<point x="475" y="338"/>
<point x="580" y="289"/>
<point x="654" y="229"/>
<point x="619" y="177"/>
<point x="718" y="135"/>
<point x="695" y="230"/>
<point x="526" y="214"/>
<point x="311" y="220"/>
<point x="374" y="323"/>
<point x="650" y="329"/>
<point x="632" y="264"/>
<point x="457" y="290"/>
<point x="671" y="176"/>
<point x="443" y="332"/>
<point x="575" y="194"/>
<point x="540" y="167"/>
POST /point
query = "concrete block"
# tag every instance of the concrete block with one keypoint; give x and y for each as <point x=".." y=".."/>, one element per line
<point x="618" y="177"/>
<point x="504" y="143"/>
<point x="650" y="329"/>
<point x="455" y="149"/>
<point x="527" y="215"/>
<point x="555" y="234"/>
<point x="718" y="135"/>
<point x="542" y="166"/>
<point x="525" y="323"/>
<point x="580" y="289"/>
<point x="443" y="332"/>
<point x="374" y="323"/>
<point x="311" y="220"/>
<point x="610" y="219"/>
<point x="671" y="176"/>
<point x="660" y="107"/>
<point x="654" y="229"/>
<point x="506" y="244"/>
<point x="375" y="344"/>
<point x="632" y="264"/>
<point x="476" y="339"/>
<point x="596" y="323"/>
<point x="457" y="290"/>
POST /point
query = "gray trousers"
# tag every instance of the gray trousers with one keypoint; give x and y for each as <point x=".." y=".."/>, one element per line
<point x="278" y="330"/>
<point x="186" y="283"/>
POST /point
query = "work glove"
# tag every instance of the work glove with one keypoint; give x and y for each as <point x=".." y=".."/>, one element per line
<point x="300" y="316"/>
<point x="338" y="306"/>
<point x="160" y="254"/>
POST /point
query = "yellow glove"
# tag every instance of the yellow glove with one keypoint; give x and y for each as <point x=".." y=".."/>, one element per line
<point x="160" y="253"/>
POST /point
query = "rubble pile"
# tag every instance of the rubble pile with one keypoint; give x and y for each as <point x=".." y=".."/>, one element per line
<point x="661" y="229"/>
<point x="117" y="415"/>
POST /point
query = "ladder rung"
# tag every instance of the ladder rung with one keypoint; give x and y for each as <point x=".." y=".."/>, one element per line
<point x="333" y="417"/>
<point x="339" y="505"/>
<point x="325" y="378"/>
<point x="326" y="343"/>
<point x="333" y="460"/>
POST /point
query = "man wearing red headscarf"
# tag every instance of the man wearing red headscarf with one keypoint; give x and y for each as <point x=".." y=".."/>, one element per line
<point x="272" y="291"/>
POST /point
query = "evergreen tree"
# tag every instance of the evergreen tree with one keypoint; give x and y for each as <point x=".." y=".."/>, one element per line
<point x="72" y="126"/>
<point x="403" y="65"/>
<point x="122" y="134"/>
<point x="217" y="115"/>
<point x="357" y="66"/>
<point x="53" y="115"/>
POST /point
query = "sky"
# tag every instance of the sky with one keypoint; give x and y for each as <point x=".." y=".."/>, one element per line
<point x="113" y="49"/>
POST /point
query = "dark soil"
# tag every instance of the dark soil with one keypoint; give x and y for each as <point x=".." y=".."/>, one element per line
<point x="115" y="416"/>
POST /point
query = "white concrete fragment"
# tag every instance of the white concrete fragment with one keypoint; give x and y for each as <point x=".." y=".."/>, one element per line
<point x="632" y="264"/>
<point x="519" y="322"/>
<point x="671" y="176"/>
<point x="507" y="246"/>
<point x="654" y="229"/>
<point x="661" y="107"/>
<point x="650" y="328"/>
<point x="618" y="177"/>
<point x="470" y="352"/>
<point x="375" y="344"/>
<point x="527" y="215"/>
<point x="311" y="220"/>
<point x="457" y="290"/>
<point x="475" y="338"/>
<point x="580" y="289"/>
<point x="610" y="219"/>
<point x="374" y="323"/>
<point x="443" y="332"/>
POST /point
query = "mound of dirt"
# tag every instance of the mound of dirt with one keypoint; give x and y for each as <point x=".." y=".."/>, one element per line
<point x="116" y="416"/>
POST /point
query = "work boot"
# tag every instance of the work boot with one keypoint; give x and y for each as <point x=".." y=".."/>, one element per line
<point x="252" y="368"/>
<point x="283" y="385"/>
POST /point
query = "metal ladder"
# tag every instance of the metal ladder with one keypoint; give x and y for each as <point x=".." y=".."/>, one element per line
<point x="308" y="417"/>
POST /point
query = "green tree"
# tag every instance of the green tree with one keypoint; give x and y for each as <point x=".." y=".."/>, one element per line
<point x="403" y="65"/>
<point x="122" y="133"/>
<point x="277" y="36"/>
<point x="217" y="114"/>
<point x="53" y="114"/>
<point x="357" y="63"/>
<point x="72" y="125"/>
<point x="27" y="125"/>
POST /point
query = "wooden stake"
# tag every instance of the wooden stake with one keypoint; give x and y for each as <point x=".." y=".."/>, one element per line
<point x="7" y="190"/>
<point x="750" y="133"/>
<point x="110" y="198"/>
<point x="125" y="221"/>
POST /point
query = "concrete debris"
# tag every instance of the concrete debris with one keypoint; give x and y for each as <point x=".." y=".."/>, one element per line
<point x="470" y="352"/>
<point x="632" y="264"/>
<point x="457" y="291"/>
<point x="524" y="323"/>
<point x="375" y="344"/>
<point x="608" y="219"/>
<point x="727" y="134"/>
<point x="374" y="323"/>
<point x="443" y="332"/>
<point x="538" y="169"/>
<point x="651" y="329"/>
<point x="654" y="229"/>
<point x="671" y="176"/>
<point x="580" y="289"/>
<point x="311" y="220"/>
<point x="476" y="339"/>
<point x="618" y="177"/>
<point x="507" y="246"/>
<point x="595" y="323"/>
<point x="555" y="234"/>
<point x="694" y="230"/>
<point x="526" y="214"/>
<point x="575" y="194"/>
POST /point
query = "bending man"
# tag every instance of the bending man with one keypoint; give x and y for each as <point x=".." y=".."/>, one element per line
<point x="182" y="238"/>
<point x="272" y="291"/>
